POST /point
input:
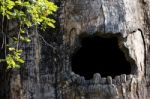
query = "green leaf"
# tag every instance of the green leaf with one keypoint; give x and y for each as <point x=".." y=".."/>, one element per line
<point x="10" y="4"/>
<point x="51" y="25"/>
<point x="22" y="31"/>
<point x="20" y="60"/>
<point x="10" y="61"/>
<point x="28" y="23"/>
<point x="11" y="49"/>
<point x="27" y="40"/>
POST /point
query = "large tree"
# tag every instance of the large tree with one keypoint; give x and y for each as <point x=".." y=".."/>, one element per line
<point x="48" y="71"/>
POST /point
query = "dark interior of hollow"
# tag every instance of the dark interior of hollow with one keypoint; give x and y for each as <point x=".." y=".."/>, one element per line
<point x="99" y="55"/>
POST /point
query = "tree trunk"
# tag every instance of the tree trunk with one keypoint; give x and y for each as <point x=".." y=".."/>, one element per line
<point x="48" y="71"/>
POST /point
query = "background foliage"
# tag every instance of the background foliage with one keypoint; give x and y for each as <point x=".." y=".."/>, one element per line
<point x="27" y="14"/>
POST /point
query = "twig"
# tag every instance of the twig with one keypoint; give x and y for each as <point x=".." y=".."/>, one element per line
<point x="47" y="42"/>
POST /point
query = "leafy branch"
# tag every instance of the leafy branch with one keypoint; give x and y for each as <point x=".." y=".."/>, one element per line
<point x="27" y="13"/>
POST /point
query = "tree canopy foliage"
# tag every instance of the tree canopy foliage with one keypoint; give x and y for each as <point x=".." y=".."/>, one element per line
<point x="27" y="13"/>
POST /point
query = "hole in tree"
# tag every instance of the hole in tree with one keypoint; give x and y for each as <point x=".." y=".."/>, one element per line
<point x="100" y="55"/>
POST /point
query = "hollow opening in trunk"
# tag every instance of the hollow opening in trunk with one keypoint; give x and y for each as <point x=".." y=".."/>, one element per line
<point x="100" y="55"/>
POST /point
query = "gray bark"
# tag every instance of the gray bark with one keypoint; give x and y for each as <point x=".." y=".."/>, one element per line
<point x="47" y="72"/>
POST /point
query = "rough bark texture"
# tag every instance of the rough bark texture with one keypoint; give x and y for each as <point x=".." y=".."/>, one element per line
<point x="47" y="72"/>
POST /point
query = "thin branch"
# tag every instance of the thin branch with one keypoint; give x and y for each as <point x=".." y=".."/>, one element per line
<point x="48" y="44"/>
<point x="4" y="35"/>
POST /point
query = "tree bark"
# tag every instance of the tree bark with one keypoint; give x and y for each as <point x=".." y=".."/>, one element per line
<point x="47" y="73"/>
